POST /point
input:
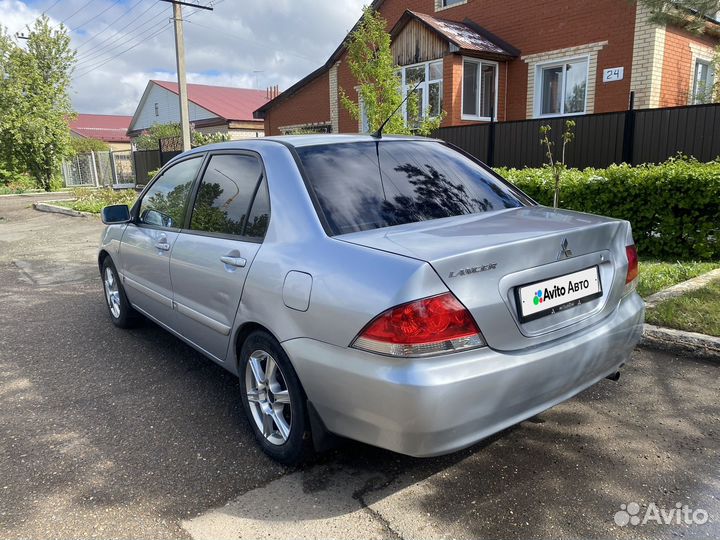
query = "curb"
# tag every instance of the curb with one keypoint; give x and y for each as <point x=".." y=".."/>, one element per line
<point x="681" y="288"/>
<point x="46" y="207"/>
<point x="28" y="194"/>
<point x="681" y="342"/>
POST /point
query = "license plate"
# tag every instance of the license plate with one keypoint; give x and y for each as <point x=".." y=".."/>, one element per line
<point x="542" y="298"/>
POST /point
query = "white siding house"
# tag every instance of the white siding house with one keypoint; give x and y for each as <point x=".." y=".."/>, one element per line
<point x="212" y="109"/>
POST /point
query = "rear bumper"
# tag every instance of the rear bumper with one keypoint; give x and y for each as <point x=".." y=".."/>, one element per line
<point x="432" y="406"/>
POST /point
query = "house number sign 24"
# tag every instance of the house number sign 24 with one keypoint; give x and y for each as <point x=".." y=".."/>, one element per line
<point x="613" y="74"/>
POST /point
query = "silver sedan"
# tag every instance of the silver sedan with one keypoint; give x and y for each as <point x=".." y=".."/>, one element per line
<point x="390" y="290"/>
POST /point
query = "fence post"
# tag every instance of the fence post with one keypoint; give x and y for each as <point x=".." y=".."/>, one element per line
<point x="113" y="172"/>
<point x="79" y="169"/>
<point x="491" y="140"/>
<point x="628" y="148"/>
<point x="94" y="169"/>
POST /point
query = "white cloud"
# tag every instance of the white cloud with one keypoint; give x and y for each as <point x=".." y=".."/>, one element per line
<point x="237" y="44"/>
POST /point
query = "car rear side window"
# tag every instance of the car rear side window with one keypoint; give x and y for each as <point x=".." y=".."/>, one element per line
<point x="369" y="185"/>
<point x="165" y="202"/>
<point x="231" y="189"/>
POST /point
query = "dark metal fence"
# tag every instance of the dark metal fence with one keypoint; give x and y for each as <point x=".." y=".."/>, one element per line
<point x="634" y="136"/>
<point x="145" y="161"/>
<point x="169" y="148"/>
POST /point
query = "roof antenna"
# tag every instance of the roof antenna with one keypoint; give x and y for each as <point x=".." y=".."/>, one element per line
<point x="378" y="133"/>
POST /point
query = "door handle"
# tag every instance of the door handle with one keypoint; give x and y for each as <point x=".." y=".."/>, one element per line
<point x="163" y="246"/>
<point x="233" y="261"/>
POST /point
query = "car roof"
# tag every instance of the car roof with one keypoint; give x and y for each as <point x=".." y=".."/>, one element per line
<point x="332" y="138"/>
<point x="299" y="141"/>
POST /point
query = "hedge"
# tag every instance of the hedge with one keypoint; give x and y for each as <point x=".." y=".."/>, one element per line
<point x="674" y="207"/>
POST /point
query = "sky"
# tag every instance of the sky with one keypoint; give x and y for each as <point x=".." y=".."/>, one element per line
<point x="241" y="43"/>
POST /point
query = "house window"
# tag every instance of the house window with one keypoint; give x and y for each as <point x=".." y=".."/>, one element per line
<point x="562" y="88"/>
<point x="428" y="77"/>
<point x="704" y="82"/>
<point x="479" y="90"/>
<point x="364" y="122"/>
<point x="157" y="110"/>
<point x="443" y="4"/>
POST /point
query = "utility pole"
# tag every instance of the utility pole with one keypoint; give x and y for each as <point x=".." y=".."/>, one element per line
<point x="180" y="58"/>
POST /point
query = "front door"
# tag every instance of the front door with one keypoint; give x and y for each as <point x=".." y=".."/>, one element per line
<point x="148" y="241"/>
<point x="211" y="258"/>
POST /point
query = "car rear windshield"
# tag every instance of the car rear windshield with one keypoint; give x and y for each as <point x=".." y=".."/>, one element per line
<point x="374" y="184"/>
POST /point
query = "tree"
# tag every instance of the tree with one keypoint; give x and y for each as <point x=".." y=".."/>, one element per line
<point x="380" y="88"/>
<point x="35" y="101"/>
<point x="83" y="145"/>
<point x="557" y="165"/>
<point x="149" y="139"/>
<point x="689" y="14"/>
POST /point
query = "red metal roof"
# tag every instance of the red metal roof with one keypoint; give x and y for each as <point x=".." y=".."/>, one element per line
<point x="229" y="103"/>
<point x="105" y="127"/>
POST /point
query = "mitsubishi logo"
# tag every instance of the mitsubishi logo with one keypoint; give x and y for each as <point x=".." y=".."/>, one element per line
<point x="565" y="250"/>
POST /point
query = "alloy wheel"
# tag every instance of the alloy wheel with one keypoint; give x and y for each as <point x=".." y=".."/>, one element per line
<point x="112" y="293"/>
<point x="268" y="397"/>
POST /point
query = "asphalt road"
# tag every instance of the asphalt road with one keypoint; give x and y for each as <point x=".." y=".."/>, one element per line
<point x="128" y="434"/>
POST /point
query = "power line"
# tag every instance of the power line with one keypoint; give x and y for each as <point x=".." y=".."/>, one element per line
<point x="55" y="3"/>
<point x="111" y="23"/>
<point x="181" y="3"/>
<point x="116" y="2"/>
<point x="94" y="55"/>
<point x="124" y="40"/>
<point x="78" y="10"/>
<point x="101" y="63"/>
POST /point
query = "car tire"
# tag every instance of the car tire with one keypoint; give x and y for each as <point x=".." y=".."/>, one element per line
<point x="273" y="400"/>
<point x="122" y="314"/>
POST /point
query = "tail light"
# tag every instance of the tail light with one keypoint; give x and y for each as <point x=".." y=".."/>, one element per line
<point x="434" y="325"/>
<point x="633" y="269"/>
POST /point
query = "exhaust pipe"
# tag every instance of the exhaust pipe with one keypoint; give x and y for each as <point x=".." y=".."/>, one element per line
<point x="614" y="376"/>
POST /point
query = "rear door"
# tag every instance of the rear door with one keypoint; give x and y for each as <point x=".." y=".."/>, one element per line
<point x="147" y="242"/>
<point x="212" y="255"/>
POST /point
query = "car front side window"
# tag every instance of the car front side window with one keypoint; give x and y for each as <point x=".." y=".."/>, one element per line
<point x="165" y="203"/>
<point x="232" y="197"/>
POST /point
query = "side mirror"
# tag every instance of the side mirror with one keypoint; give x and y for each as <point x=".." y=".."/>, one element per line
<point x="115" y="214"/>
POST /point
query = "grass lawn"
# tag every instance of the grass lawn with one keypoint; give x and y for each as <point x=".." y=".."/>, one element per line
<point x="656" y="276"/>
<point x="93" y="200"/>
<point x="696" y="311"/>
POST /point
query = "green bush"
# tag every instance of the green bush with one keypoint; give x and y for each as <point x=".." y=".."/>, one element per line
<point x="674" y="207"/>
<point x="12" y="182"/>
<point x="81" y="145"/>
<point x="94" y="200"/>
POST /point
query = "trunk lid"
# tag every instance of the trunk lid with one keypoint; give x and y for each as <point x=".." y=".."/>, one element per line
<point x="484" y="258"/>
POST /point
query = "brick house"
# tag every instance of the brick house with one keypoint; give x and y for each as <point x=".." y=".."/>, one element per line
<point x="514" y="60"/>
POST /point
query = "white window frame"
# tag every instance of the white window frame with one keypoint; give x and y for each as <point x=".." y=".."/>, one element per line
<point x="425" y="86"/>
<point x="441" y="5"/>
<point x="709" y="89"/>
<point x="478" y="118"/>
<point x="562" y="62"/>
<point x="363" y="123"/>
